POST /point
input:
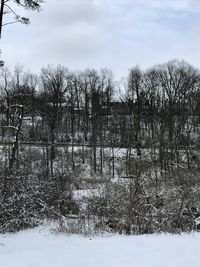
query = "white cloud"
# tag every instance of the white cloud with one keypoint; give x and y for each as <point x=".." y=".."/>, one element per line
<point x="106" y="33"/>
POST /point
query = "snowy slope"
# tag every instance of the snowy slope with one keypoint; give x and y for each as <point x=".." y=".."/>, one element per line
<point x="40" y="248"/>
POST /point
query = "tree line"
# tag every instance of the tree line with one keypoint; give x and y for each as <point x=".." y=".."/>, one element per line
<point x="156" y="109"/>
<point x="59" y="127"/>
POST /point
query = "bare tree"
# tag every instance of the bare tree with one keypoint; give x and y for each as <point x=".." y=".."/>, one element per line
<point x="50" y="101"/>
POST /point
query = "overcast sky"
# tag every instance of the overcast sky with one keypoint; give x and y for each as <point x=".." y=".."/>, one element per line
<point x="114" y="34"/>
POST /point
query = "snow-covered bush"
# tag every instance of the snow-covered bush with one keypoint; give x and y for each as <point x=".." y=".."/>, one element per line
<point x="25" y="201"/>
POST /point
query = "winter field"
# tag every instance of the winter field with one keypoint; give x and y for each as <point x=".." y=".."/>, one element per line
<point x="40" y="247"/>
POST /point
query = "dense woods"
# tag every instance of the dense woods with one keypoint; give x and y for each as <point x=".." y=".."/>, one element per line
<point x="97" y="155"/>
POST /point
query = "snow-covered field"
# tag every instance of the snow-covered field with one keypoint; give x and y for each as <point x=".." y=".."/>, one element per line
<point x="40" y="248"/>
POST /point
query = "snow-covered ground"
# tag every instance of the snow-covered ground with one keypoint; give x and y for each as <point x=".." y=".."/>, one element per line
<point x="40" y="248"/>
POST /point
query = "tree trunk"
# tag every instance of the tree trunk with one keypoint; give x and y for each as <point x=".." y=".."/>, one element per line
<point x="1" y="16"/>
<point x="16" y="144"/>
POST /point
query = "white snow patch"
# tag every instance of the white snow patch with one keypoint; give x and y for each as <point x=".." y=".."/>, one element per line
<point x="40" y="248"/>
